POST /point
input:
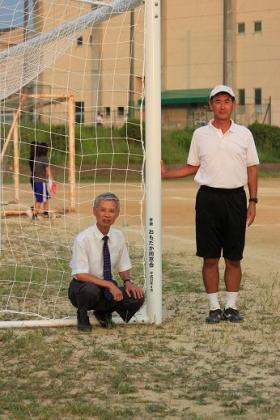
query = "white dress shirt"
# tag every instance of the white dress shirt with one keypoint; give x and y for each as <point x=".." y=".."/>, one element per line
<point x="87" y="252"/>
<point x="223" y="157"/>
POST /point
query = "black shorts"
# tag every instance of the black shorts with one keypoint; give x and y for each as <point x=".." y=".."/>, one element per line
<point x="221" y="222"/>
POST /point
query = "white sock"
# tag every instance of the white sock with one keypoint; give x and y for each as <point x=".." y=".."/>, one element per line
<point x="214" y="301"/>
<point x="231" y="300"/>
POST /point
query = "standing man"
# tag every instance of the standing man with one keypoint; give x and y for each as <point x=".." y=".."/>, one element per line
<point x="224" y="158"/>
<point x="98" y="251"/>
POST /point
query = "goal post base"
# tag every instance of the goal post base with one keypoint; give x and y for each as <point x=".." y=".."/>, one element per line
<point x="41" y="323"/>
<point x="140" y="317"/>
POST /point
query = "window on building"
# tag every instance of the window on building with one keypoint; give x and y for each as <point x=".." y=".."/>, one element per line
<point x="120" y="111"/>
<point x="241" y="27"/>
<point x="241" y="96"/>
<point x="80" y="41"/>
<point x="258" y="25"/>
<point x="79" y="112"/>
<point x="107" y="111"/>
<point x="258" y="96"/>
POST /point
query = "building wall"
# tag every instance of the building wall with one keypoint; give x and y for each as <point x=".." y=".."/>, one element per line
<point x="97" y="72"/>
<point x="115" y="66"/>
<point x="10" y="37"/>
<point x="192" y="50"/>
<point x="77" y="71"/>
<point x="193" y="43"/>
<point x="258" y="53"/>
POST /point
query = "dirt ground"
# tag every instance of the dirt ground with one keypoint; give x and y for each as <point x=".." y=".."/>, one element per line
<point x="184" y="369"/>
<point x="262" y="251"/>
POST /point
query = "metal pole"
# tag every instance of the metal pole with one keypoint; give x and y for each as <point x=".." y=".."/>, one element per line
<point x="16" y="160"/>
<point x="270" y="112"/>
<point x="25" y="18"/>
<point x="153" y="157"/>
<point x="71" y="135"/>
<point x="131" y="67"/>
<point x="228" y="44"/>
<point x="1" y="182"/>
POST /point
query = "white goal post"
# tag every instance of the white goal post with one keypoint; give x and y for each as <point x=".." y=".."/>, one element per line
<point x="153" y="156"/>
<point x="28" y="60"/>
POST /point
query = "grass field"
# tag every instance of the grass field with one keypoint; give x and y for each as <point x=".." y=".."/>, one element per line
<point x="183" y="369"/>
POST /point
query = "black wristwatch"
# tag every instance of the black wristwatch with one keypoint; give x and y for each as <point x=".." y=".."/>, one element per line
<point x="253" y="199"/>
<point x="127" y="280"/>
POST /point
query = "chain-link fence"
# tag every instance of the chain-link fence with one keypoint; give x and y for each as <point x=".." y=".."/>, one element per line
<point x="196" y="116"/>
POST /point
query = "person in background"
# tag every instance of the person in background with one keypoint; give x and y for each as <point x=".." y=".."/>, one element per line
<point x="40" y="177"/>
<point x="99" y="119"/>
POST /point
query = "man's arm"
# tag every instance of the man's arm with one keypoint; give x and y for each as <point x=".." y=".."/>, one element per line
<point x="48" y="172"/>
<point x="252" y="172"/>
<point x="52" y="184"/>
<point x="131" y="288"/>
<point x="114" y="290"/>
<point x="180" y="172"/>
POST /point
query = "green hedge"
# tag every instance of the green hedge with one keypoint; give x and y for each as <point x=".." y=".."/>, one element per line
<point x="104" y="144"/>
<point x="267" y="139"/>
<point x="176" y="143"/>
<point x="120" y="146"/>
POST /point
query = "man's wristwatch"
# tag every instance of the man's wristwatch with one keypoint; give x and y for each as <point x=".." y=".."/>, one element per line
<point x="125" y="280"/>
<point x="253" y="199"/>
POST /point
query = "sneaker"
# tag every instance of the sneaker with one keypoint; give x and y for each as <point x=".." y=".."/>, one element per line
<point x="214" y="316"/>
<point x="104" y="319"/>
<point x="83" y="323"/>
<point x="233" y="315"/>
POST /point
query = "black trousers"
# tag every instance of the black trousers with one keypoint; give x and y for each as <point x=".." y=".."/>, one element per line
<point x="88" y="296"/>
<point x="221" y="222"/>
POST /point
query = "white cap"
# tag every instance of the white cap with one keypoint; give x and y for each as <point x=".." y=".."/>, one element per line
<point x="221" y="89"/>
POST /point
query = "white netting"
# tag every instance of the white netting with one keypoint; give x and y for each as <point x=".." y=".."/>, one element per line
<point x="21" y="63"/>
<point x="71" y="76"/>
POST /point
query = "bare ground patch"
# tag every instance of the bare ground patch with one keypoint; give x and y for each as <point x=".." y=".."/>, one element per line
<point x="183" y="369"/>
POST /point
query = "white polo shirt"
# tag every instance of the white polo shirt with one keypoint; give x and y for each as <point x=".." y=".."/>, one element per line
<point x="222" y="158"/>
<point x="87" y="252"/>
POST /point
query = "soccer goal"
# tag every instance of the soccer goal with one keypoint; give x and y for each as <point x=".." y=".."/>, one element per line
<point x="80" y="78"/>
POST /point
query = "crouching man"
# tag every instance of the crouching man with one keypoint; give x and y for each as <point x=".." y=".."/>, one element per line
<point x="98" y="251"/>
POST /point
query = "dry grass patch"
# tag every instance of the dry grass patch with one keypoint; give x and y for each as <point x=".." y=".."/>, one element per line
<point x="184" y="369"/>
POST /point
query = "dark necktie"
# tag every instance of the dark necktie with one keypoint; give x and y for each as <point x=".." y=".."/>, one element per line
<point x="107" y="273"/>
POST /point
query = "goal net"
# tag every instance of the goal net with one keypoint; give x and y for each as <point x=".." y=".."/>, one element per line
<point x="72" y="85"/>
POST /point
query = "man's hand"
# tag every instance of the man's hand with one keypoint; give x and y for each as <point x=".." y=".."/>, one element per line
<point x="132" y="290"/>
<point x="115" y="292"/>
<point x="251" y="213"/>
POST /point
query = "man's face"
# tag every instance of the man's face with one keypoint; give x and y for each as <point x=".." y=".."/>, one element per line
<point x="106" y="214"/>
<point x="222" y="106"/>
